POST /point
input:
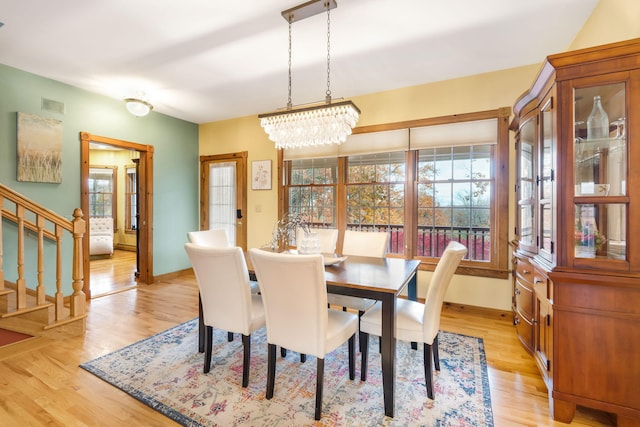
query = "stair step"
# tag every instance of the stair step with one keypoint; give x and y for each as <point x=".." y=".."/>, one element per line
<point x="25" y="310"/>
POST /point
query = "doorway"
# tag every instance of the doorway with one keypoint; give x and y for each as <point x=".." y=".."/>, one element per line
<point x="223" y="195"/>
<point x="144" y="215"/>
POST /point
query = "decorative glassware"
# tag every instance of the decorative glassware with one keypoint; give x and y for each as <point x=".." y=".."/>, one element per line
<point x="598" y="121"/>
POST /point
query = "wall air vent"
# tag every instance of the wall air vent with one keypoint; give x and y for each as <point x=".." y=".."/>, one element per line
<point x="52" y="106"/>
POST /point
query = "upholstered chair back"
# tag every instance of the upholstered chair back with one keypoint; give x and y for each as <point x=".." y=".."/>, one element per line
<point x="293" y="287"/>
<point x="364" y="243"/>
<point x="223" y="281"/>
<point x="438" y="286"/>
<point x="214" y="237"/>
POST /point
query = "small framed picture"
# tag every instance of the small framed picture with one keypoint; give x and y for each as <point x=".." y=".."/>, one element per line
<point x="261" y="175"/>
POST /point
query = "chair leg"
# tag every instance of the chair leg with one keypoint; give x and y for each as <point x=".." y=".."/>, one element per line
<point x="360" y="333"/>
<point x="246" y="343"/>
<point x="303" y="357"/>
<point x="208" y="344"/>
<point x="428" y="375"/>
<point x="271" y="369"/>
<point x="319" y="383"/>
<point x="229" y="336"/>
<point x="352" y="357"/>
<point x="283" y="352"/>
<point x="364" y="349"/>
<point x="436" y="355"/>
<point x="201" y="327"/>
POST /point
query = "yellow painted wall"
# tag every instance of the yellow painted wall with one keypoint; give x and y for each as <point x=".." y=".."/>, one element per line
<point x="611" y="21"/>
<point x="468" y="94"/>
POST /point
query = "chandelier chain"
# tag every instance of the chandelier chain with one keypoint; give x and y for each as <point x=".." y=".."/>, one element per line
<point x="310" y="125"/>
<point x="328" y="53"/>
<point x="289" y="103"/>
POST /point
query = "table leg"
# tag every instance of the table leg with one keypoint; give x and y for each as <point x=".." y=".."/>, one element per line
<point x="200" y="326"/>
<point x="412" y="293"/>
<point x="388" y="352"/>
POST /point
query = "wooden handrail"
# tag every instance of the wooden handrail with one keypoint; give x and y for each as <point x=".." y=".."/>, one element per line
<point x="32" y="206"/>
<point x="76" y="227"/>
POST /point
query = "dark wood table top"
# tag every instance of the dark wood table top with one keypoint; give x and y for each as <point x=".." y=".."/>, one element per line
<point x="388" y="275"/>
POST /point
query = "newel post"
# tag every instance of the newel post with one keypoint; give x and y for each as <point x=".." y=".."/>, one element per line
<point x="78" y="297"/>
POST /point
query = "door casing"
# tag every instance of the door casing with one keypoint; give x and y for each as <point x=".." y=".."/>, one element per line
<point x="145" y="200"/>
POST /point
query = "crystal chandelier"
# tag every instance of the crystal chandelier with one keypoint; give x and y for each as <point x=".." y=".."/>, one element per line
<point x="311" y="125"/>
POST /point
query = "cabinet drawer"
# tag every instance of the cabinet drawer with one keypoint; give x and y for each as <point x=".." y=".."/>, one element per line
<point x="541" y="286"/>
<point x="524" y="298"/>
<point x="524" y="270"/>
<point x="524" y="329"/>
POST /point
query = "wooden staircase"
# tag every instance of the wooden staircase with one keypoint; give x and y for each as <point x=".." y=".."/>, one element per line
<point x="27" y="306"/>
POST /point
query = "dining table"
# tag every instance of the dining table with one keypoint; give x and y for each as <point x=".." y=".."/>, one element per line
<point x="381" y="279"/>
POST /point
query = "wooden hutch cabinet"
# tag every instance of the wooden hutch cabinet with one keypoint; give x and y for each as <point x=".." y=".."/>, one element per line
<point x="577" y="252"/>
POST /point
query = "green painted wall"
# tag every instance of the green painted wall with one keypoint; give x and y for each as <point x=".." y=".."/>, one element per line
<point x="175" y="207"/>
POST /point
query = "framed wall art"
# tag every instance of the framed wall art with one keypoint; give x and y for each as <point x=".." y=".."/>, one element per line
<point x="39" y="149"/>
<point x="261" y="175"/>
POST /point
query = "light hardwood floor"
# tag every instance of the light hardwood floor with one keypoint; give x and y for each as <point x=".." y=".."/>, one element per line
<point x="41" y="383"/>
<point x="113" y="274"/>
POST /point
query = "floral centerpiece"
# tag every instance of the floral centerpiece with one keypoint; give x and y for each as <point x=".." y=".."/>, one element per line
<point x="284" y="230"/>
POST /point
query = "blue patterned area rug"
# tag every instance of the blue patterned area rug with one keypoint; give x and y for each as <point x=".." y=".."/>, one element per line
<point x="165" y="372"/>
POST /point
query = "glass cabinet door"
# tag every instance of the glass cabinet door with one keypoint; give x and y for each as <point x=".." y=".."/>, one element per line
<point x="546" y="181"/>
<point x="600" y="171"/>
<point x="526" y="186"/>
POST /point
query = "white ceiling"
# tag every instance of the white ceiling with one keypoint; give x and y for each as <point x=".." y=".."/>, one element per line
<point x="209" y="60"/>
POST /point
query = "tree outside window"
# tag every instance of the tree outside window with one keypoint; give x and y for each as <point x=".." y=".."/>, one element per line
<point x="102" y="190"/>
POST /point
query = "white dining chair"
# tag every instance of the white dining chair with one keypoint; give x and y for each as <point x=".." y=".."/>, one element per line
<point x="360" y="243"/>
<point x="328" y="238"/>
<point x="216" y="237"/>
<point x="417" y="322"/>
<point x="227" y="301"/>
<point x="294" y="293"/>
<point x="365" y="243"/>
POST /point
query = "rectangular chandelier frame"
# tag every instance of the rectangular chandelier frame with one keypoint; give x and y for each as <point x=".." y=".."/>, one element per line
<point x="304" y="108"/>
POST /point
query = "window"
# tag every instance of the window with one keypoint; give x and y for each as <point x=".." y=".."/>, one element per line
<point x="102" y="190"/>
<point x="375" y="195"/>
<point x="312" y="190"/>
<point x="450" y="182"/>
<point x="454" y="200"/>
<point x="131" y="199"/>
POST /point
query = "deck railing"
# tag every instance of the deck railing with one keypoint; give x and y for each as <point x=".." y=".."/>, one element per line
<point x="432" y="241"/>
<point x="28" y="215"/>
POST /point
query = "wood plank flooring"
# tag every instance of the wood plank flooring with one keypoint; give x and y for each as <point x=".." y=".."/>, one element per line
<point x="41" y="383"/>
<point x="114" y="274"/>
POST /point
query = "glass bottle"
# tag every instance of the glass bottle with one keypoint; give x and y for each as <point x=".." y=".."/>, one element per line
<point x="598" y="121"/>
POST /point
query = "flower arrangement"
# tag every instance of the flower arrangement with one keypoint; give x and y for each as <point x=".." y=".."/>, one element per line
<point x="284" y="230"/>
<point x="590" y="236"/>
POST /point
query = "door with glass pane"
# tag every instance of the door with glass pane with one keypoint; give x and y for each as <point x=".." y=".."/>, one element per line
<point x="223" y="201"/>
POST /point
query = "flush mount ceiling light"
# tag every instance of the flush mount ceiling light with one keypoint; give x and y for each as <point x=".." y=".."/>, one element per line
<point x="138" y="107"/>
<point x="310" y="125"/>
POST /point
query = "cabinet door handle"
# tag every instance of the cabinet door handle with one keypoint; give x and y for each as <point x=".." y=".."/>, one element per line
<point x="517" y="291"/>
<point x="516" y="320"/>
<point x="526" y="272"/>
